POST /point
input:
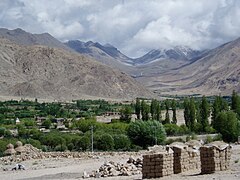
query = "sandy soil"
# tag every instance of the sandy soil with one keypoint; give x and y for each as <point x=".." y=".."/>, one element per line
<point x="73" y="169"/>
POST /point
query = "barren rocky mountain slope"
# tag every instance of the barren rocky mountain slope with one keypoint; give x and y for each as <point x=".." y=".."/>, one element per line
<point x="180" y="71"/>
<point x="22" y="37"/>
<point x="217" y="72"/>
<point x="107" y="55"/>
<point x="43" y="72"/>
<point x="154" y="62"/>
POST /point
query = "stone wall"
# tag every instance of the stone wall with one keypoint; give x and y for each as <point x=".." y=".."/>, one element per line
<point x="29" y="152"/>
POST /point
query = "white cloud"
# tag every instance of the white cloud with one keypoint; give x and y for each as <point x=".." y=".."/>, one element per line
<point x="134" y="26"/>
<point x="162" y="34"/>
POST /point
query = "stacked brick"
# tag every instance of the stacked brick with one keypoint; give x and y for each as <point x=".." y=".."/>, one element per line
<point x="185" y="158"/>
<point x="194" y="154"/>
<point x="180" y="162"/>
<point x="194" y="159"/>
<point x="215" y="157"/>
<point x="157" y="165"/>
<point x="164" y="161"/>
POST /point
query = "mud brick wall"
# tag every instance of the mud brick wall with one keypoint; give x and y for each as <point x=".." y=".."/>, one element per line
<point x="185" y="159"/>
<point x="181" y="163"/>
<point x="194" y="159"/>
<point x="157" y="165"/>
<point x="214" y="159"/>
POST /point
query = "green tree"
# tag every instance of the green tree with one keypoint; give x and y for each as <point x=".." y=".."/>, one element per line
<point x="52" y="140"/>
<point x="145" y="133"/>
<point x="83" y="143"/>
<point x="8" y="133"/>
<point x="85" y="124"/>
<point x="153" y="108"/>
<point x="159" y="116"/>
<point x="198" y="126"/>
<point x="3" y="146"/>
<point x="204" y="113"/>
<point x="126" y="113"/>
<point x="61" y="143"/>
<point x="2" y="131"/>
<point x="218" y="106"/>
<point x="22" y="131"/>
<point x="34" y="142"/>
<point x="172" y="129"/>
<point x="138" y="108"/>
<point x="105" y="142"/>
<point x="121" y="142"/>
<point x="186" y="105"/>
<point x="167" y="118"/>
<point x="228" y="126"/>
<point x="35" y="133"/>
<point x="236" y="103"/>
<point x="192" y="114"/>
<point x="29" y="123"/>
<point x="174" y="109"/>
<point x="145" y="110"/>
<point x="47" y="123"/>
<point x="61" y="147"/>
<point x="53" y="109"/>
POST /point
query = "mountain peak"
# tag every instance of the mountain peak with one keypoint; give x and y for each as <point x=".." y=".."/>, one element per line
<point x="19" y="30"/>
<point x="22" y="37"/>
<point x="177" y="53"/>
<point x="88" y="48"/>
<point x="89" y="43"/>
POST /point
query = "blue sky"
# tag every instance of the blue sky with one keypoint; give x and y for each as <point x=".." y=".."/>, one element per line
<point x="133" y="26"/>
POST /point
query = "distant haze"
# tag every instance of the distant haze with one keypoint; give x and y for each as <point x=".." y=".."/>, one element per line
<point x="134" y="26"/>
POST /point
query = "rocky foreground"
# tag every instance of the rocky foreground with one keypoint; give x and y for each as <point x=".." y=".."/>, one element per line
<point x="104" y="165"/>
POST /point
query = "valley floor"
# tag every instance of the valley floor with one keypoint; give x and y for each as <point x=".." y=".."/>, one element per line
<point x="73" y="169"/>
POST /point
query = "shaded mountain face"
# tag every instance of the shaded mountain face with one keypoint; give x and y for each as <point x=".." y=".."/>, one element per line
<point x="153" y="63"/>
<point x="50" y="73"/>
<point x="22" y="37"/>
<point x="96" y="50"/>
<point x="218" y="71"/>
<point x="107" y="54"/>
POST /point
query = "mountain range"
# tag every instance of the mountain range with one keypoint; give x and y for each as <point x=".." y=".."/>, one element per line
<point x="29" y="69"/>
<point x="97" y="50"/>
<point x="176" y="71"/>
<point x="217" y="72"/>
<point x="153" y="62"/>
<point x="180" y="70"/>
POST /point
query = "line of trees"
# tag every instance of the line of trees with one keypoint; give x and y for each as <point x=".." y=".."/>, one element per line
<point x="196" y="114"/>
<point x="225" y="118"/>
<point x="152" y="110"/>
<point x="201" y="116"/>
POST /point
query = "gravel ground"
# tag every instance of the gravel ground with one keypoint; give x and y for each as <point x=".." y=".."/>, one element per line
<point x="70" y="169"/>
